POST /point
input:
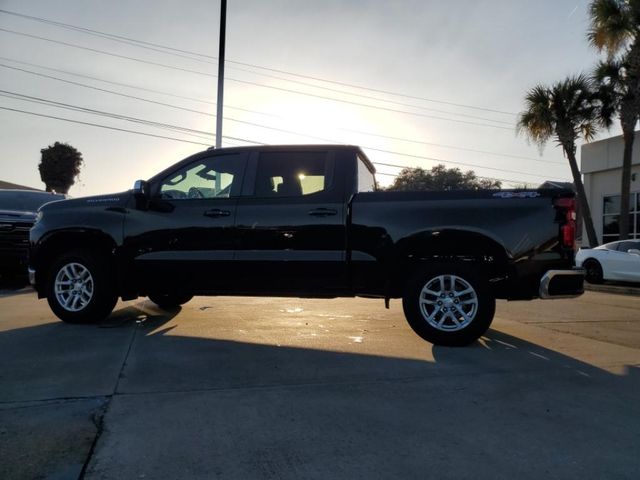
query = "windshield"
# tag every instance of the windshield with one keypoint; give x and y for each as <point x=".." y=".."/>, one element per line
<point x="26" y="201"/>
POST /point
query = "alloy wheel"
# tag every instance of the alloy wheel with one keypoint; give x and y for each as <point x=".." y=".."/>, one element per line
<point x="448" y="303"/>
<point x="73" y="287"/>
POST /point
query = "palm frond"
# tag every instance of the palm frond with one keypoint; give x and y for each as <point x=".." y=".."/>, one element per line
<point x="536" y="122"/>
<point x="612" y="25"/>
<point x="610" y="72"/>
<point x="566" y="110"/>
<point x="608" y="101"/>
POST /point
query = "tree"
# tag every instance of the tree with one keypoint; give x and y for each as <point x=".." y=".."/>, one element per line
<point x="615" y="28"/>
<point x="440" y="178"/>
<point x="59" y="166"/>
<point x="566" y="110"/>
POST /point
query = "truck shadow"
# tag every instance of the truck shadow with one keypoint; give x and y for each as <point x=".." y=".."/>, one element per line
<point x="14" y="286"/>
<point x="501" y="407"/>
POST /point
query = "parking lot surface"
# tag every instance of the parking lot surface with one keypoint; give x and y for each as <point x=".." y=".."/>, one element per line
<point x="244" y="388"/>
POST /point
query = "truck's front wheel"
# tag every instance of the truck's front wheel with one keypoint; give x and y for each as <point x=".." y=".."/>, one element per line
<point x="80" y="287"/>
<point x="449" y="305"/>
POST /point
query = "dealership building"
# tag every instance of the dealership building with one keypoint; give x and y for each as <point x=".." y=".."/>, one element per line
<point x="602" y="171"/>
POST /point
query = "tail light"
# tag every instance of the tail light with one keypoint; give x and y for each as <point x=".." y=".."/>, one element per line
<point x="567" y="216"/>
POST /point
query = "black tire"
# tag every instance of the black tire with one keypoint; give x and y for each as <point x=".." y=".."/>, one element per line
<point x="593" y="271"/>
<point x="170" y="301"/>
<point x="467" y="316"/>
<point x="103" y="292"/>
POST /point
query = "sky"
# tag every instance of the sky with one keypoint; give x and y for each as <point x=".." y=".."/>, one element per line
<point x="415" y="83"/>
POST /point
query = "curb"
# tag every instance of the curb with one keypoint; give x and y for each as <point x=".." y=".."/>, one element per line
<point x="617" y="289"/>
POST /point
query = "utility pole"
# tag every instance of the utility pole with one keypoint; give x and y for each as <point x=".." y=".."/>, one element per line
<point x="223" y="28"/>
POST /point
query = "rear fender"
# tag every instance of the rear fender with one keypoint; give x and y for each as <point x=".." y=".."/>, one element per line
<point x="446" y="245"/>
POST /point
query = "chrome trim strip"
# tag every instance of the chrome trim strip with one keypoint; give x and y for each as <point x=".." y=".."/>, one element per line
<point x="545" y="281"/>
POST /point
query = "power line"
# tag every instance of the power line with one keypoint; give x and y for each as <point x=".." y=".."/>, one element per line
<point x="280" y="129"/>
<point x="168" y="50"/>
<point x="453" y="147"/>
<point x="102" y="126"/>
<point x="134" y="97"/>
<point x="246" y="82"/>
<point x="66" y="72"/>
<point x="306" y="84"/>
<point x="136" y="132"/>
<point x="124" y="129"/>
<point x="105" y="90"/>
<point x="393" y="102"/>
<point x="149" y="122"/>
<point x="387" y="92"/>
<point x="163" y="103"/>
<point x="150" y="90"/>
<point x="43" y="101"/>
<point x="235" y="108"/>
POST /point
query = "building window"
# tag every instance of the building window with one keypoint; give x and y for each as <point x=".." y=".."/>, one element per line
<point x="611" y="217"/>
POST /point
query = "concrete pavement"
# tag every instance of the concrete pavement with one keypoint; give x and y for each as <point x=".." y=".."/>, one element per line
<point x="289" y="388"/>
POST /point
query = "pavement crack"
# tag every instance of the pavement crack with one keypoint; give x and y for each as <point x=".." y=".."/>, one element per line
<point x="101" y="413"/>
<point x="542" y="369"/>
<point x="22" y="404"/>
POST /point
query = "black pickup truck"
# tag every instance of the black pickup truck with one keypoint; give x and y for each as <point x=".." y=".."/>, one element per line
<point x="17" y="214"/>
<point x="305" y="221"/>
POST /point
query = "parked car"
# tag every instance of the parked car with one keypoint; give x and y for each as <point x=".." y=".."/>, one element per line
<point x="305" y="221"/>
<point x="618" y="261"/>
<point x="17" y="214"/>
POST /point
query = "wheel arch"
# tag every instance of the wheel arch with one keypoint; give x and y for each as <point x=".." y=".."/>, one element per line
<point x="62" y="241"/>
<point x="447" y="245"/>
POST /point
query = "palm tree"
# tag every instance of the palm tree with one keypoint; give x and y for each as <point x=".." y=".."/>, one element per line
<point x="615" y="29"/>
<point x="566" y="110"/>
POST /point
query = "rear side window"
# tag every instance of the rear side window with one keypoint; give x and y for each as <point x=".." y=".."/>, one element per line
<point x="366" y="180"/>
<point x="626" y="246"/>
<point x="292" y="174"/>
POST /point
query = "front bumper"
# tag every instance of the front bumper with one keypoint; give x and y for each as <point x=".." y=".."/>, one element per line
<point x="562" y="284"/>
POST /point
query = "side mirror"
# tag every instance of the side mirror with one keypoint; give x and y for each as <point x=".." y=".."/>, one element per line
<point x="140" y="189"/>
<point x="141" y="194"/>
<point x="633" y="251"/>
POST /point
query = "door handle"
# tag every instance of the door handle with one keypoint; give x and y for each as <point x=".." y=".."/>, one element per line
<point x="216" y="212"/>
<point x="322" y="212"/>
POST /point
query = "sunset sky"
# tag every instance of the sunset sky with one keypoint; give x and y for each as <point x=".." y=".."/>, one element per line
<point x="458" y="72"/>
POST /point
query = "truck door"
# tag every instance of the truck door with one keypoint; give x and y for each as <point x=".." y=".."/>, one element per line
<point x="291" y="224"/>
<point x="186" y="238"/>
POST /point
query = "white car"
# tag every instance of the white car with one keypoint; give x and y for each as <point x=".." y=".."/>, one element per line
<point x="612" y="261"/>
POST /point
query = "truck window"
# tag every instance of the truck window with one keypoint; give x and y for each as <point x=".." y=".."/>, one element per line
<point x="211" y="177"/>
<point x="291" y="174"/>
<point x="366" y="180"/>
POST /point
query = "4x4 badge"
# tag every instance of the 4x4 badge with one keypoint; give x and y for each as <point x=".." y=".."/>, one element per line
<point x="516" y="194"/>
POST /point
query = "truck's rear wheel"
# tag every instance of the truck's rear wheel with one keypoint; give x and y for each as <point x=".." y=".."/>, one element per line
<point x="449" y="305"/>
<point x="170" y="301"/>
<point x="80" y="288"/>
